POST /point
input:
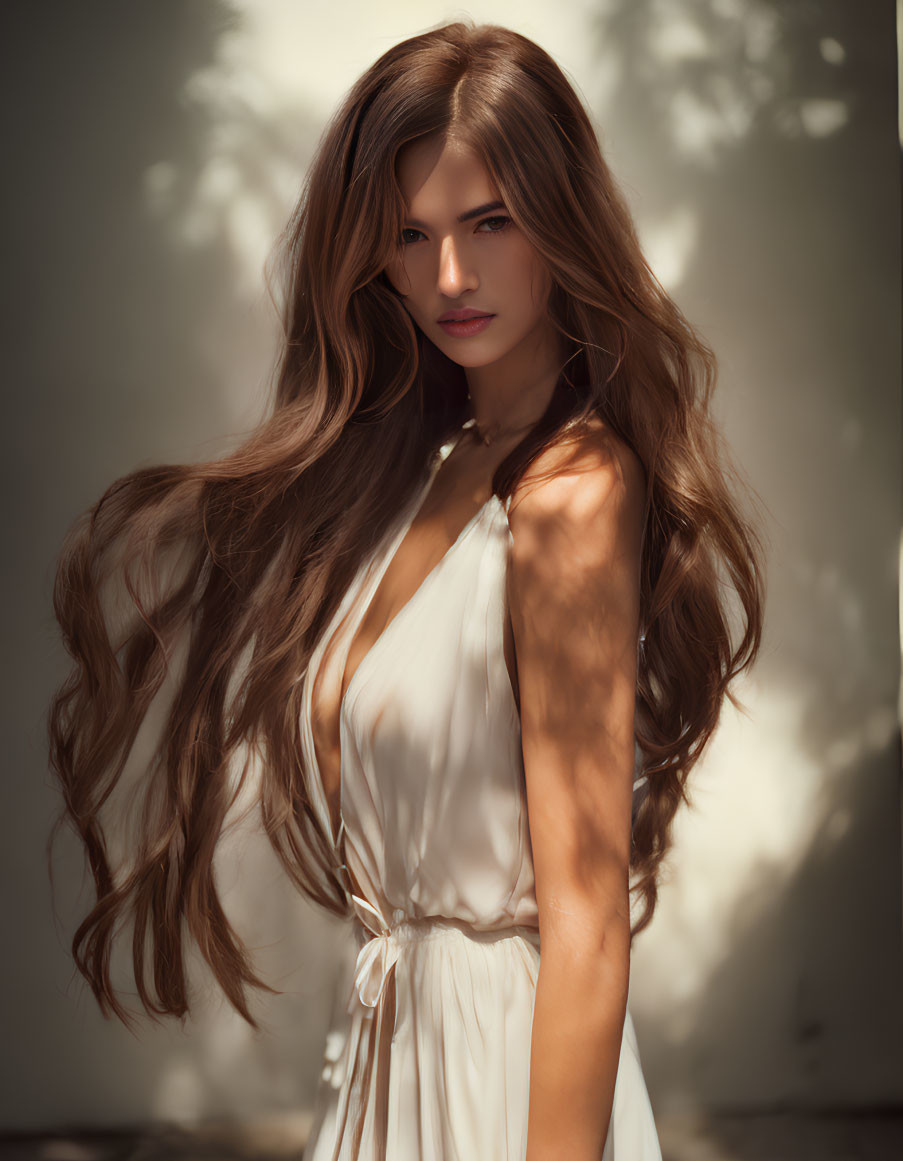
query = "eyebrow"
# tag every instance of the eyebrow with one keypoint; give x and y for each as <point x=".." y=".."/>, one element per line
<point x="468" y="214"/>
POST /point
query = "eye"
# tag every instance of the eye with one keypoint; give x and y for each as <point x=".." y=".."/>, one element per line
<point x="505" y="222"/>
<point x="497" y="224"/>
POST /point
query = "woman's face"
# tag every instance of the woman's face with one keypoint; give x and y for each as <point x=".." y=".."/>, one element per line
<point x="482" y="263"/>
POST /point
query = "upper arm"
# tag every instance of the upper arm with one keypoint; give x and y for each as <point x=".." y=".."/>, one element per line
<point x="574" y="594"/>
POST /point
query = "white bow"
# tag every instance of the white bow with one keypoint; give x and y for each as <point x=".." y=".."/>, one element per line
<point x="375" y="958"/>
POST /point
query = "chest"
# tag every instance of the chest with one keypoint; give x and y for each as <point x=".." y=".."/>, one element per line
<point x="407" y="652"/>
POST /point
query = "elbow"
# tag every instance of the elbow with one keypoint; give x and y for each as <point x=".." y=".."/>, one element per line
<point x="577" y="935"/>
<point x="590" y="964"/>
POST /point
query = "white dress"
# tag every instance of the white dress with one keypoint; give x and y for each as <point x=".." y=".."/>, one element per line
<point x="428" y="1058"/>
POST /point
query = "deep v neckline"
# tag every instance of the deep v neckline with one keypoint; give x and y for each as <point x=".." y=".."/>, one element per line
<point x="406" y="605"/>
<point x="362" y="600"/>
<point x="370" y="590"/>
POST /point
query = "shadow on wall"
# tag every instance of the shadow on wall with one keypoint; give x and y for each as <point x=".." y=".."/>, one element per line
<point x="131" y="339"/>
<point x="763" y="140"/>
<point x="758" y="146"/>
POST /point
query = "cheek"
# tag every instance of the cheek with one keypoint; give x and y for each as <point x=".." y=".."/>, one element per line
<point x="397" y="276"/>
<point x="542" y="285"/>
<point x="530" y="277"/>
<point x="535" y="282"/>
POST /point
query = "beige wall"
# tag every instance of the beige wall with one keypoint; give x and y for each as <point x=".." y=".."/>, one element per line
<point x="152" y="154"/>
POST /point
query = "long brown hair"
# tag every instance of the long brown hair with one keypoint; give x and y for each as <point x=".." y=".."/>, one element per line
<point x="207" y="586"/>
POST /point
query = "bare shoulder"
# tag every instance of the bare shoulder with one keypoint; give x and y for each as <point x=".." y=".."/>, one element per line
<point x="589" y="470"/>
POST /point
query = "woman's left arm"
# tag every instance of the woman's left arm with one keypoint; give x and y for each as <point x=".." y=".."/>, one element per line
<point x="574" y="592"/>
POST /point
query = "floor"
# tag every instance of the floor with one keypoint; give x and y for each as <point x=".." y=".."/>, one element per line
<point x="770" y="1137"/>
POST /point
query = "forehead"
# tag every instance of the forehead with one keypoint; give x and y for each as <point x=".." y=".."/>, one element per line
<point x="439" y="175"/>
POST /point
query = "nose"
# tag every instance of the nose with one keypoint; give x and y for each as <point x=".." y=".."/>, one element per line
<point x="456" y="274"/>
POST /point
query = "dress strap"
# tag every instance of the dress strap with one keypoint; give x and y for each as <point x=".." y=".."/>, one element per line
<point x="445" y="450"/>
<point x="448" y="447"/>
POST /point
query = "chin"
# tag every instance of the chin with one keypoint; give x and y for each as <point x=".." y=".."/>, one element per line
<point x="476" y="360"/>
<point x="469" y="353"/>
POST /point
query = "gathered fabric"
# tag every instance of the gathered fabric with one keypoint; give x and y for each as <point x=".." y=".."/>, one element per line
<point x="428" y="1055"/>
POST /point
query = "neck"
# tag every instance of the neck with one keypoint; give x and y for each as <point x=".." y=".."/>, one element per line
<point x="512" y="394"/>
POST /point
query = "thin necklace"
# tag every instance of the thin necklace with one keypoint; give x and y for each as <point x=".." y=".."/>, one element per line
<point x="486" y="439"/>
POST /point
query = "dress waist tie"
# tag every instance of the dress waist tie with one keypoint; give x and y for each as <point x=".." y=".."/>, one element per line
<point x="383" y="942"/>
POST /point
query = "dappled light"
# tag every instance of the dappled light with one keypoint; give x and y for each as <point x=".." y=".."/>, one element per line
<point x="756" y="143"/>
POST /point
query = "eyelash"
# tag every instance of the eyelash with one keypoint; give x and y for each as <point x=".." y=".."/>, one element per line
<point x="494" y="218"/>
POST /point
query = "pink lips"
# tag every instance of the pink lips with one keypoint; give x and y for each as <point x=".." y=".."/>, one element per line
<point x="465" y="324"/>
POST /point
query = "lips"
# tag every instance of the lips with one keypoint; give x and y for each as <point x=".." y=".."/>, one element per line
<point x="461" y="315"/>
<point x="472" y="323"/>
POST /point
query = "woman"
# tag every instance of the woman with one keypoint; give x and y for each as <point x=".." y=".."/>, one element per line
<point x="417" y="594"/>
